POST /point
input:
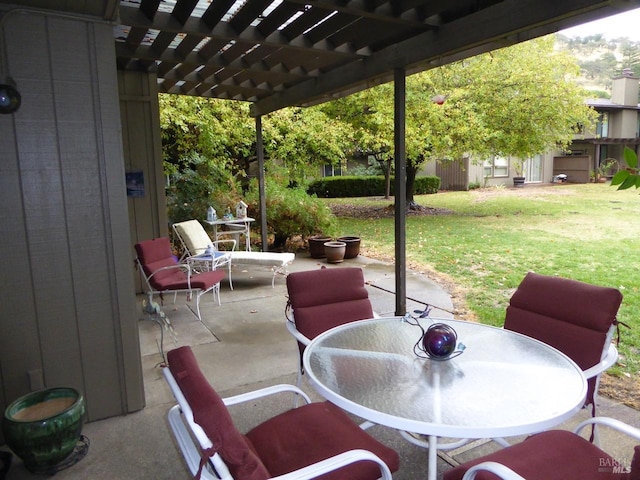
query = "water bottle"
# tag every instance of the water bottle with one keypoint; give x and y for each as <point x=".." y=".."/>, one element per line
<point x="211" y="214"/>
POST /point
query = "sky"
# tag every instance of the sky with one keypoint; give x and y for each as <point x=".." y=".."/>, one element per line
<point x="617" y="26"/>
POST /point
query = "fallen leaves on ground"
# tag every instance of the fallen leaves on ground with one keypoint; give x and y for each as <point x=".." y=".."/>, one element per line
<point x="377" y="211"/>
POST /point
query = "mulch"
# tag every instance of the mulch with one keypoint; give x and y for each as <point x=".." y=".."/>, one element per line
<point x="367" y="211"/>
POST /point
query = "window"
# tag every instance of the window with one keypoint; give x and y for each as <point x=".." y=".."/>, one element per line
<point x="332" y="170"/>
<point x="602" y="125"/>
<point x="496" y="167"/>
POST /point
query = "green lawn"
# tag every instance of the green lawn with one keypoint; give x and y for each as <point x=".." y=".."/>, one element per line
<point x="495" y="236"/>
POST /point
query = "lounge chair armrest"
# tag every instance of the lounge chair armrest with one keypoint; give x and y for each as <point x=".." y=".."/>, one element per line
<point x="230" y="240"/>
<point x="610" y="358"/>
<point x="503" y="472"/>
<point x="291" y="326"/>
<point x="264" y="392"/>
<point x="181" y="266"/>
<point x="336" y="462"/>
<point x="611" y="423"/>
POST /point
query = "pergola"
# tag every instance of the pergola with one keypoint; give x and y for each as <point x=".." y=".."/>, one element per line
<point x="281" y="53"/>
<point x="62" y="154"/>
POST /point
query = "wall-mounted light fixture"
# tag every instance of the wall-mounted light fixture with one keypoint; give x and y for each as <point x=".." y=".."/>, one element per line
<point x="10" y="98"/>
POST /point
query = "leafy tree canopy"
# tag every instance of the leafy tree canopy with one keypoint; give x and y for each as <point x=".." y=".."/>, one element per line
<point x="518" y="101"/>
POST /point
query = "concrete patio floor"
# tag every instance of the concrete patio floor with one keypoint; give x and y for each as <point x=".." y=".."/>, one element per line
<point x="243" y="345"/>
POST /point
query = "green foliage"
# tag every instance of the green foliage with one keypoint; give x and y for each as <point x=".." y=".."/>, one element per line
<point x="219" y="130"/>
<point x="518" y="101"/>
<point x="199" y="184"/>
<point x="291" y="212"/>
<point x="372" y="168"/>
<point x="365" y="186"/>
<point x="515" y="102"/>
<point x="301" y="140"/>
<point x="630" y="176"/>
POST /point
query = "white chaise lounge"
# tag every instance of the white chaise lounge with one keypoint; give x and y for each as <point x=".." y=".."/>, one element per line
<point x="195" y="240"/>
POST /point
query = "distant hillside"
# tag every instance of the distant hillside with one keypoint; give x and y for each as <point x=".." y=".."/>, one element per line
<point x="601" y="60"/>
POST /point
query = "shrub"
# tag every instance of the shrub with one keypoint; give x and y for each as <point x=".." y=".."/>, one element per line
<point x="202" y="183"/>
<point x="366" y="186"/>
<point x="291" y="212"/>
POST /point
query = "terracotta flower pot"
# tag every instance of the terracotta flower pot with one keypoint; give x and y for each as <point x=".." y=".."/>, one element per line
<point x="334" y="251"/>
<point x="316" y="245"/>
<point x="43" y="427"/>
<point x="353" y="246"/>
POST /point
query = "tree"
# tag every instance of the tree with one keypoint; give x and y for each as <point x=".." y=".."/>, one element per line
<point x="302" y="140"/>
<point x="367" y="114"/>
<point x="518" y="101"/>
<point x="209" y="151"/>
<point x="217" y="130"/>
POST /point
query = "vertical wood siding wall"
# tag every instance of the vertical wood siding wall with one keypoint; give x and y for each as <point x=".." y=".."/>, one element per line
<point x="142" y="147"/>
<point x="67" y="303"/>
<point x="453" y="175"/>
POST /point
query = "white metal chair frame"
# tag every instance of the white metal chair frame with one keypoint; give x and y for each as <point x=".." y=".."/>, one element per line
<point x="192" y="439"/>
<point x="505" y="473"/>
<point x="215" y="289"/>
<point x="200" y="259"/>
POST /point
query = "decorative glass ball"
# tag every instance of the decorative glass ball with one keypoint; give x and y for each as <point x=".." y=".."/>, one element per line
<point x="439" y="341"/>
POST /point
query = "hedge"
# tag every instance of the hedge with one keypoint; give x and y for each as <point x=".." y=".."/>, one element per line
<point x="366" y="186"/>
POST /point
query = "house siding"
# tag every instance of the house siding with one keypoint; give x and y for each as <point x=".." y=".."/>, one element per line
<point x="68" y="306"/>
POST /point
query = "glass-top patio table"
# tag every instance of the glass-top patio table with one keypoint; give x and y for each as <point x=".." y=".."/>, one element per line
<point x="503" y="384"/>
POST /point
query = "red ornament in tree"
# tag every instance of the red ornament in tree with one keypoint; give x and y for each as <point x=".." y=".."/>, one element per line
<point x="438" y="99"/>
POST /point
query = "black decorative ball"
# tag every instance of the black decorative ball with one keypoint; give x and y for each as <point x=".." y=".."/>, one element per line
<point x="439" y="341"/>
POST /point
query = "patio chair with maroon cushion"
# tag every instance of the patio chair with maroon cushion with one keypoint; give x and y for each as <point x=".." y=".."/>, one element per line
<point x="322" y="299"/>
<point x="576" y="318"/>
<point x="163" y="273"/>
<point x="316" y="440"/>
<point x="555" y="455"/>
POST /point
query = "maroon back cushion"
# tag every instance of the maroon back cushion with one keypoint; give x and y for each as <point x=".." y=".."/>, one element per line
<point x="327" y="297"/>
<point x="212" y="415"/>
<point x="155" y="254"/>
<point x="572" y="316"/>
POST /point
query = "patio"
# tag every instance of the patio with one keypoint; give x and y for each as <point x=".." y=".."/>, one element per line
<point x="243" y="345"/>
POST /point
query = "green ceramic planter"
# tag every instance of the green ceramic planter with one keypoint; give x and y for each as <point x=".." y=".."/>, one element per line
<point x="43" y="427"/>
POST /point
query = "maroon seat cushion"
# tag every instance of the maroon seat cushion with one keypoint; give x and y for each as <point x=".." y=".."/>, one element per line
<point x="552" y="455"/>
<point x="313" y="432"/>
<point x="155" y="254"/>
<point x="572" y="316"/>
<point x="206" y="280"/>
<point x="212" y="415"/>
<point x="327" y="297"/>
